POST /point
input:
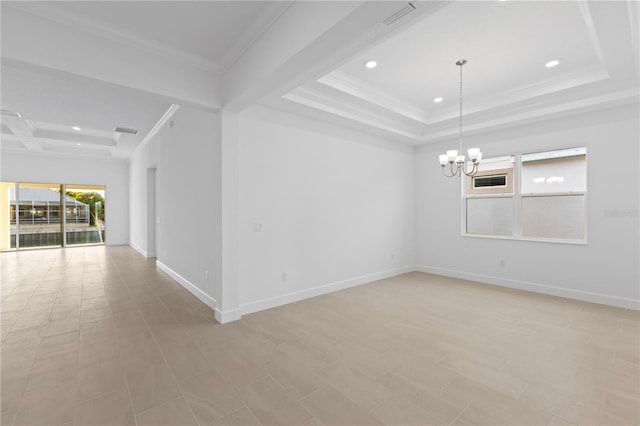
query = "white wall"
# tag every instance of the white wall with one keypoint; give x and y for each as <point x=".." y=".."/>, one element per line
<point x="187" y="161"/>
<point x="335" y="210"/>
<point x="605" y="270"/>
<point x="114" y="174"/>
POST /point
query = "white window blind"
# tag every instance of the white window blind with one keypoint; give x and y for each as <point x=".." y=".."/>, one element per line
<point x="547" y="202"/>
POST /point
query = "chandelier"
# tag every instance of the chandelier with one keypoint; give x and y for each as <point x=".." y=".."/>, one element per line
<point x="453" y="162"/>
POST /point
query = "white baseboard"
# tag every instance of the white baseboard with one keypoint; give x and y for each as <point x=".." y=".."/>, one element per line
<point x="272" y="302"/>
<point x="138" y="249"/>
<point x="296" y="296"/>
<point x="221" y="317"/>
<point x="586" y="296"/>
<point x="204" y="297"/>
<point x="228" y="316"/>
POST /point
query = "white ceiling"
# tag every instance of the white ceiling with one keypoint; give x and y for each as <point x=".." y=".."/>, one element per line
<point x="501" y="40"/>
<point x="209" y="33"/>
<point x="50" y="103"/>
<point x="506" y="44"/>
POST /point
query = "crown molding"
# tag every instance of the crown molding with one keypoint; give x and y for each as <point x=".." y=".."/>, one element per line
<point x="483" y="118"/>
<point x="535" y="90"/>
<point x="522" y="100"/>
<point x="481" y="124"/>
<point x="347" y="84"/>
<point x="357" y="89"/>
<point x="83" y="24"/>
<point x="315" y="99"/>
<point x="156" y="128"/>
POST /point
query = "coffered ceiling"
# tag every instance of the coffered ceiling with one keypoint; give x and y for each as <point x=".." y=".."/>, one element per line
<point x="53" y="111"/>
<point x="100" y="65"/>
<point x="59" y="113"/>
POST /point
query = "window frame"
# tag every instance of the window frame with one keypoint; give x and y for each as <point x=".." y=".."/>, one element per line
<point x="518" y="200"/>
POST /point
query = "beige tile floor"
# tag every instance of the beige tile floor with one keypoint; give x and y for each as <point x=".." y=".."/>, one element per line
<point x="99" y="336"/>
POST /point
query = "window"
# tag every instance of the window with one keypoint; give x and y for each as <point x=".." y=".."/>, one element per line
<point x="495" y="176"/>
<point x="490" y="216"/>
<point x="494" y="181"/>
<point x="553" y="188"/>
<point x="489" y="202"/>
<point x="548" y="203"/>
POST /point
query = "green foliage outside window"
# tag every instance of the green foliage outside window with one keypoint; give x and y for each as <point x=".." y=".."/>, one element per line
<point x="95" y="202"/>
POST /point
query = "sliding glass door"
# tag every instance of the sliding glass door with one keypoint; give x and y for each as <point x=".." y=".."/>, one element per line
<point x="36" y="215"/>
<point x="39" y="223"/>
<point x="85" y="214"/>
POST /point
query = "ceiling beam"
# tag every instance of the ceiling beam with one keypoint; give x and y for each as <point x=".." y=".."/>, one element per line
<point x="73" y="138"/>
<point x="307" y="41"/>
<point x="18" y="125"/>
<point x="89" y="54"/>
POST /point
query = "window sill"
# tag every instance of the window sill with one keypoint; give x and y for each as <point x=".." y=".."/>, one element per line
<point x="539" y="240"/>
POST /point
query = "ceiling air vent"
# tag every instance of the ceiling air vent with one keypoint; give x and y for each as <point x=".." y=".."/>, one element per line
<point x="410" y="7"/>
<point x="126" y="130"/>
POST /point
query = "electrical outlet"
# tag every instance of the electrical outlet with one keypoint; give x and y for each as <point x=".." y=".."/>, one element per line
<point x="257" y="227"/>
<point x="393" y="255"/>
<point x="165" y="252"/>
<point x="502" y="263"/>
<point x="284" y="276"/>
<point x="206" y="275"/>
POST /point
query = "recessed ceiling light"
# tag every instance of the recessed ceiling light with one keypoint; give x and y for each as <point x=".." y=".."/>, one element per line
<point x="552" y="64"/>
<point x="78" y="143"/>
<point x="371" y="64"/>
<point x="438" y="99"/>
<point x="76" y="128"/>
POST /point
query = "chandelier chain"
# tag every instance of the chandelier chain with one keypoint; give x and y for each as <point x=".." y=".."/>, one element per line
<point x="460" y="126"/>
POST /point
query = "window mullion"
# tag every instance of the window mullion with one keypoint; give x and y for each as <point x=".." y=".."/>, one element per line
<point x="517" y="197"/>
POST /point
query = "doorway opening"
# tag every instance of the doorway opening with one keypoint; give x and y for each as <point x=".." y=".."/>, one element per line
<point x="151" y="212"/>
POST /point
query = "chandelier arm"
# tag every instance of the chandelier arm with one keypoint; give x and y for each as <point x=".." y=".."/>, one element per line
<point x="473" y="172"/>
<point x="445" y="173"/>
<point x="457" y="171"/>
